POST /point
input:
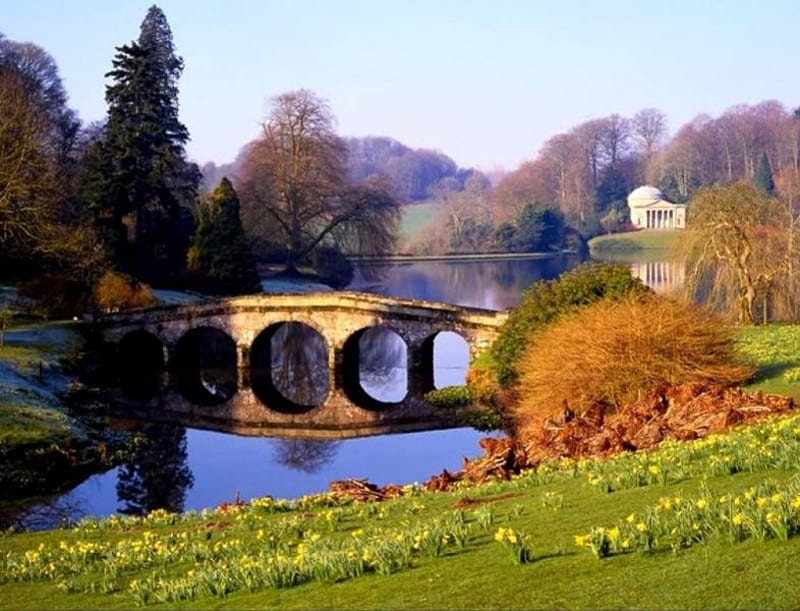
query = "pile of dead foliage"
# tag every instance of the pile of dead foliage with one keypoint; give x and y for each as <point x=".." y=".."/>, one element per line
<point x="362" y="491"/>
<point x="684" y="412"/>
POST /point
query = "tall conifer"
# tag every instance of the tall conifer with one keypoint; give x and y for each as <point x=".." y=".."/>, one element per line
<point x="138" y="179"/>
<point x="762" y="179"/>
<point x="220" y="251"/>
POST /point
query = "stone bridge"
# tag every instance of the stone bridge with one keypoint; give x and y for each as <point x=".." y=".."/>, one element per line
<point x="155" y="339"/>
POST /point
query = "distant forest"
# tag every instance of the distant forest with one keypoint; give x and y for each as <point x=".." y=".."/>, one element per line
<point x="577" y="185"/>
<point x="411" y="175"/>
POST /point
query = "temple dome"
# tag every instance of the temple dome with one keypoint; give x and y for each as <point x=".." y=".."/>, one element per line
<point x="644" y="196"/>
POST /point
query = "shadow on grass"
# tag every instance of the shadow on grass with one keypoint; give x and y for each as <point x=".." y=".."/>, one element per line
<point x="552" y="555"/>
<point x="771" y="371"/>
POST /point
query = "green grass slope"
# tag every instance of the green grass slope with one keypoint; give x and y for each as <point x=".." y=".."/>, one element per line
<point x="635" y="241"/>
<point x="414" y="217"/>
<point x="707" y="524"/>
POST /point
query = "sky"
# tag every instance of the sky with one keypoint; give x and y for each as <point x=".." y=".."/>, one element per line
<point x="486" y="82"/>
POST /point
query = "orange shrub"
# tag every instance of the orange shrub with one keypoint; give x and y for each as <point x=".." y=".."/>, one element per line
<point x="611" y="352"/>
<point x="115" y="292"/>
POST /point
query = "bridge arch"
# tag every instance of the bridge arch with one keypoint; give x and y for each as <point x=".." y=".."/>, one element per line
<point x="374" y="367"/>
<point x="204" y="363"/>
<point x="442" y="360"/>
<point x="288" y="367"/>
<point x="140" y="363"/>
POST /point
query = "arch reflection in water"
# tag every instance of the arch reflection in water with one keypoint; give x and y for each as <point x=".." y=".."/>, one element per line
<point x="289" y="367"/>
<point x="205" y="366"/>
<point x="141" y="363"/>
<point x="376" y="367"/>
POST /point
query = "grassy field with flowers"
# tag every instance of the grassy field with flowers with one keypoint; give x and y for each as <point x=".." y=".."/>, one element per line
<point x="775" y="351"/>
<point x="705" y="524"/>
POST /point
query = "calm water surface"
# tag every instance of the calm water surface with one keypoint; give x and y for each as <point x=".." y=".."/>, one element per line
<point x="190" y="468"/>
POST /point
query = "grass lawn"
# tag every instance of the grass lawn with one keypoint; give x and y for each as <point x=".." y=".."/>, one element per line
<point x="452" y="550"/>
<point x="415" y="217"/>
<point x="775" y="350"/>
<point x="708" y="524"/>
<point x="634" y="241"/>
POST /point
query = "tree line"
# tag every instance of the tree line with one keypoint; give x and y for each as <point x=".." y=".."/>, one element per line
<point x="119" y="199"/>
<point x="586" y="173"/>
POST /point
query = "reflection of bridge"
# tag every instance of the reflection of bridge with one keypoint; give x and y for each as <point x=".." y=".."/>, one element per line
<point x="154" y="339"/>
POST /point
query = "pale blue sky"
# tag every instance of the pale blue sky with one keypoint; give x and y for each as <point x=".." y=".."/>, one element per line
<point x="484" y="81"/>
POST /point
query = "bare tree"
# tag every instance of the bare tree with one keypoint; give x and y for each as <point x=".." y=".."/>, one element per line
<point x="37" y="138"/>
<point x="295" y="176"/>
<point x="738" y="249"/>
<point x="467" y="216"/>
<point x="649" y="128"/>
<point x="615" y="136"/>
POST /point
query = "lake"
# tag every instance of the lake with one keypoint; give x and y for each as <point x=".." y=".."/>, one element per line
<point x="187" y="468"/>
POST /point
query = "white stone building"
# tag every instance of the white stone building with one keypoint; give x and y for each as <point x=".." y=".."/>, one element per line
<point x="649" y="210"/>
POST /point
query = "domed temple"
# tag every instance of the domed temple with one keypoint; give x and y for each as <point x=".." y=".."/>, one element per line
<point x="649" y="210"/>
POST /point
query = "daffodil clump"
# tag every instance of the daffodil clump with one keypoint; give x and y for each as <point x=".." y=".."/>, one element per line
<point x="516" y="543"/>
<point x="769" y="344"/>
<point x="771" y="444"/>
<point x="237" y="547"/>
<point x="766" y="511"/>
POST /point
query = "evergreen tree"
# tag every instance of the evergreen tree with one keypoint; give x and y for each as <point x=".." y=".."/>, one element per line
<point x="613" y="189"/>
<point x="536" y="228"/>
<point x="762" y="179"/>
<point x="138" y="180"/>
<point x="220" y="251"/>
<point x="529" y="227"/>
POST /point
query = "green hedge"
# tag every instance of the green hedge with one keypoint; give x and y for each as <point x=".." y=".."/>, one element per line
<point x="545" y="301"/>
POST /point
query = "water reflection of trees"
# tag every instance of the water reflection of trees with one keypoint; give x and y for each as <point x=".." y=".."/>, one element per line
<point x="157" y="475"/>
<point x="307" y="455"/>
<point x="289" y="364"/>
<point x="299" y="364"/>
<point x="41" y="513"/>
<point x="289" y="367"/>
<point x="383" y="358"/>
<point x="206" y="366"/>
<point x="486" y="284"/>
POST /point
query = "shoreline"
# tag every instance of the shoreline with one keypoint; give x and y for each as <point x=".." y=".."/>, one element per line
<point x="464" y="257"/>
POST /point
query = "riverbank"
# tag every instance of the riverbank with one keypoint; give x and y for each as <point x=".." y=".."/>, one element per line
<point x="664" y="240"/>
<point x="564" y="536"/>
<point x="44" y="448"/>
<point x="456" y="258"/>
